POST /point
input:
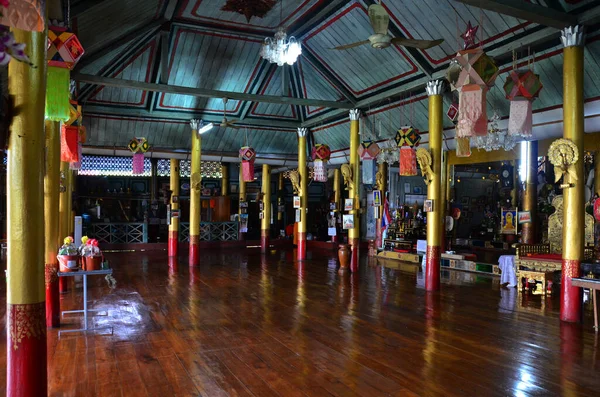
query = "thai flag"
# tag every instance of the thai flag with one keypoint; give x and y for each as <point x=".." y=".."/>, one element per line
<point x="386" y="219"/>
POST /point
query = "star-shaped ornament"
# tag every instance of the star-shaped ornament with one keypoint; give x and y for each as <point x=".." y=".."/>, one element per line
<point x="469" y="36"/>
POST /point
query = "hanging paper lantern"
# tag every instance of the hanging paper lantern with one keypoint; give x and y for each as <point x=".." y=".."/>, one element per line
<point x="138" y="146"/>
<point x="407" y="138"/>
<point x="452" y="112"/>
<point x="69" y="143"/>
<point x="478" y="73"/>
<point x="64" y="51"/>
<point x="463" y="147"/>
<point x="320" y="155"/>
<point x="368" y="152"/>
<point x="521" y="88"/>
<point x="247" y="155"/>
<point x="24" y="14"/>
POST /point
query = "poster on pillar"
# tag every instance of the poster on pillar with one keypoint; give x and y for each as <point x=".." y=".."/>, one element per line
<point x="371" y="219"/>
<point x="508" y="224"/>
<point x="348" y="222"/>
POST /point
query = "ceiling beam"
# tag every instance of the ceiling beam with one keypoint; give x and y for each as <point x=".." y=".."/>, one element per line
<point x="89" y="58"/>
<point x="170" y="9"/>
<point x="206" y="93"/>
<point x="182" y="116"/>
<point x="527" y="11"/>
<point x="84" y="5"/>
<point x="330" y="76"/>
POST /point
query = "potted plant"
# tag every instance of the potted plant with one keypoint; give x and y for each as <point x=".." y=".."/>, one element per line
<point x="92" y="255"/>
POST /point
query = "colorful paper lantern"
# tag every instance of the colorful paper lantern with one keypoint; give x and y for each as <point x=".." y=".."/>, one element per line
<point x="24" y="14"/>
<point x="247" y="155"/>
<point x="478" y="73"/>
<point x="64" y="51"/>
<point x="521" y="88"/>
<point x="138" y="146"/>
<point x="407" y="138"/>
<point x="368" y="152"/>
<point x="320" y="154"/>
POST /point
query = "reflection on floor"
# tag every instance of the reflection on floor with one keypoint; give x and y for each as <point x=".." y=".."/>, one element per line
<point x="242" y="324"/>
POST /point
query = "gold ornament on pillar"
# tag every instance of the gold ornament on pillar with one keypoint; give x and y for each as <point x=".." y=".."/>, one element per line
<point x="425" y="162"/>
<point x="563" y="155"/>
<point x="380" y="180"/>
<point x="347" y="174"/>
<point x="295" y="180"/>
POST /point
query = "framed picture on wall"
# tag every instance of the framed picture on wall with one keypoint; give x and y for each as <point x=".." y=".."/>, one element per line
<point x="406" y="187"/>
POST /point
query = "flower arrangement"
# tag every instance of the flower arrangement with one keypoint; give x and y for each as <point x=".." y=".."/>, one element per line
<point x="84" y="241"/>
<point x="68" y="248"/>
<point x="91" y="248"/>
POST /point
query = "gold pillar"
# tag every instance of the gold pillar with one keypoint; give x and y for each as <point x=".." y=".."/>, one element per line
<point x="224" y="180"/>
<point x="63" y="202"/>
<point x="280" y="201"/>
<point x="303" y="171"/>
<point x="195" y="187"/>
<point x="174" y="221"/>
<point x="70" y="221"/>
<point x="434" y="188"/>
<point x="573" y="197"/>
<point x="265" y="223"/>
<point x="514" y="193"/>
<point x="597" y="173"/>
<point x="528" y="232"/>
<point x="382" y="176"/>
<point x="354" y="233"/>
<point x="25" y="295"/>
<point x="337" y="191"/>
<point x="51" y="221"/>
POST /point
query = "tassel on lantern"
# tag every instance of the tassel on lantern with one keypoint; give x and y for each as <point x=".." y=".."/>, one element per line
<point x="368" y="151"/>
<point x="26" y="15"/>
<point x="520" y="121"/>
<point x="247" y="155"/>
<point x="76" y="165"/>
<point x="320" y="155"/>
<point x="138" y="146"/>
<point x="407" y="138"/>
<point x="57" y="94"/>
<point x="463" y="147"/>
<point x="138" y="163"/>
<point x="69" y="144"/>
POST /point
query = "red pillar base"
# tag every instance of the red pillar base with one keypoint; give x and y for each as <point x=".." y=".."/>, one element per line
<point x="570" y="297"/>
<point x="52" y="296"/>
<point x="63" y="284"/>
<point x="173" y="243"/>
<point x="194" y="251"/>
<point x="26" y="350"/>
<point x="264" y="241"/>
<point x="378" y="234"/>
<point x="301" y="246"/>
<point x="432" y="268"/>
<point x="354" y="254"/>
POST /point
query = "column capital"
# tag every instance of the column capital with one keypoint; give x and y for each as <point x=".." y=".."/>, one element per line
<point x="354" y="114"/>
<point x="302" y="132"/>
<point x="435" y="87"/>
<point x="572" y="36"/>
<point x="195" y="124"/>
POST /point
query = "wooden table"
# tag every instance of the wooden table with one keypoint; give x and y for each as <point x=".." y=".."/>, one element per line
<point x="594" y="286"/>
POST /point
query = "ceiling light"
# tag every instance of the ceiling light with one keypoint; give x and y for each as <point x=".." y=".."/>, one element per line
<point x="280" y="49"/>
<point x="205" y="128"/>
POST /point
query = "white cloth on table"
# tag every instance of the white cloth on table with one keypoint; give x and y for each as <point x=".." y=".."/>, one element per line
<point x="506" y="263"/>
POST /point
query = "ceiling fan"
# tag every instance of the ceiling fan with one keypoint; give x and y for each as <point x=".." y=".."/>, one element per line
<point x="227" y="123"/>
<point x="381" y="39"/>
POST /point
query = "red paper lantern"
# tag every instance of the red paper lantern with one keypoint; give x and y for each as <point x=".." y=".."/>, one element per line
<point x="247" y="155"/>
<point x="69" y="144"/>
<point x="320" y="155"/>
<point x="408" y="161"/>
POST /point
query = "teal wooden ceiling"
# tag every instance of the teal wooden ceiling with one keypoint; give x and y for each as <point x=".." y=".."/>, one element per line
<point x="193" y="43"/>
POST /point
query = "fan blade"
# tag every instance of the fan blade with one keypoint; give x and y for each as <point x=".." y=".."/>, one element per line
<point x="379" y="19"/>
<point x="347" y="46"/>
<point x="421" y="44"/>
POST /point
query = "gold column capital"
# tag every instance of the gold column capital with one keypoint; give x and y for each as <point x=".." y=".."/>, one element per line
<point x="195" y="124"/>
<point x="302" y="132"/>
<point x="435" y="87"/>
<point x="354" y="114"/>
<point x="573" y="36"/>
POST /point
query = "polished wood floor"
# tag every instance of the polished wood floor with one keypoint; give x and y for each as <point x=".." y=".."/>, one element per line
<point x="246" y="325"/>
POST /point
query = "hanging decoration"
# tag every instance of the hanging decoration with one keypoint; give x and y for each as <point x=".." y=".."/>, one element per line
<point x="368" y="152"/>
<point x="75" y="121"/>
<point x="69" y="144"/>
<point x="463" y="147"/>
<point x="247" y="155"/>
<point x="64" y="51"/>
<point x="478" y="73"/>
<point x="138" y="147"/>
<point x="320" y="155"/>
<point x="563" y="154"/>
<point x="425" y="163"/>
<point x="26" y="15"/>
<point x="249" y="8"/>
<point x="281" y="49"/>
<point x="496" y="137"/>
<point x="407" y="139"/>
<point x="521" y="88"/>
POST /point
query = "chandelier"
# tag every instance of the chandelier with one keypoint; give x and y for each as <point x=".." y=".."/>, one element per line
<point x="496" y="138"/>
<point x="281" y="49"/>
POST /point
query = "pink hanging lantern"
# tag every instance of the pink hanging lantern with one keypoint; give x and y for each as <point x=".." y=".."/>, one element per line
<point x="138" y="163"/>
<point x="368" y="152"/>
<point x="247" y="155"/>
<point x="138" y="146"/>
<point x="320" y="154"/>
<point x="521" y="88"/>
<point x="407" y="138"/>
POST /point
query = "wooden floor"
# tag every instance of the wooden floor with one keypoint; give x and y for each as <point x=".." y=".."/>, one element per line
<point x="245" y="325"/>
